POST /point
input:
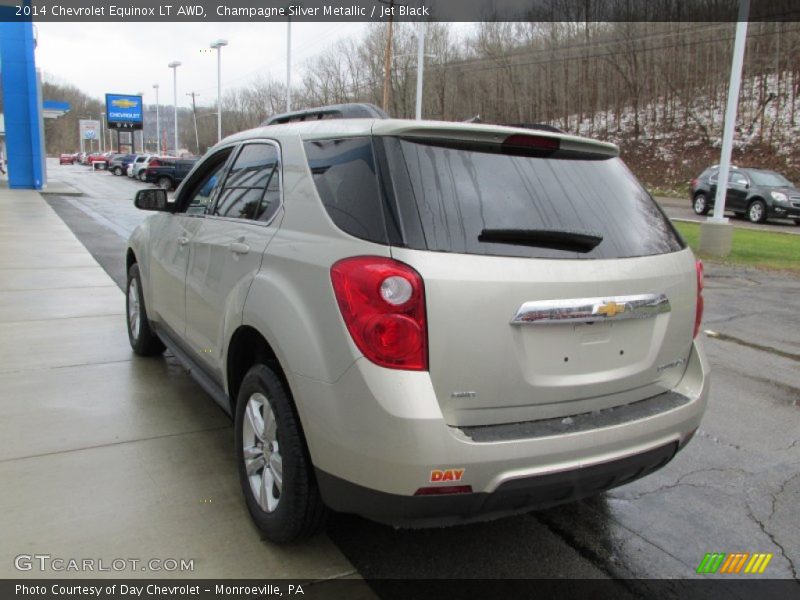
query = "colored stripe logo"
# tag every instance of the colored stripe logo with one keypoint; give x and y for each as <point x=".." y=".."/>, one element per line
<point x="735" y="563"/>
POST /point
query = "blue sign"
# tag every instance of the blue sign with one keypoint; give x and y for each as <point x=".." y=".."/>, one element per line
<point x="124" y="111"/>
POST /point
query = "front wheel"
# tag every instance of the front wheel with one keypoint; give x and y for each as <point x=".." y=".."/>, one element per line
<point x="700" y="204"/>
<point x="757" y="212"/>
<point x="165" y="183"/>
<point x="142" y="338"/>
<point x="142" y="176"/>
<point x="797" y="221"/>
<point x="117" y="171"/>
<point x="275" y="469"/>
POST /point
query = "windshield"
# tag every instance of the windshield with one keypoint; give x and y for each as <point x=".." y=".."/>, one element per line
<point x="458" y="199"/>
<point x="769" y="179"/>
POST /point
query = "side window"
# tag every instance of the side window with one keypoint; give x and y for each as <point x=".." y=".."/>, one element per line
<point x="206" y="183"/>
<point x="344" y="173"/>
<point x="252" y="188"/>
<point x="738" y="179"/>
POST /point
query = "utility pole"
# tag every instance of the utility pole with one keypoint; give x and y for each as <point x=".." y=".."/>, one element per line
<point x="194" y="115"/>
<point x="387" y="60"/>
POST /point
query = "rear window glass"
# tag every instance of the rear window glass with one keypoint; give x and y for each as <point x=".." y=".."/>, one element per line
<point x="344" y="173"/>
<point x="447" y="197"/>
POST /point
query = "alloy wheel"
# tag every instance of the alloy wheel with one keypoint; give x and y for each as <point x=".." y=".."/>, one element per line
<point x="262" y="457"/>
<point x="134" y="318"/>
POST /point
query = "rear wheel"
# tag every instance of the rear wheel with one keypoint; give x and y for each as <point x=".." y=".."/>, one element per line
<point x="164" y="182"/>
<point x="700" y="204"/>
<point x="117" y="171"/>
<point x="275" y="469"/>
<point x="142" y="176"/>
<point x="797" y="221"/>
<point x="757" y="212"/>
<point x="143" y="341"/>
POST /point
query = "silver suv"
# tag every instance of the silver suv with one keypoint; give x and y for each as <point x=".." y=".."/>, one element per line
<point x="423" y="323"/>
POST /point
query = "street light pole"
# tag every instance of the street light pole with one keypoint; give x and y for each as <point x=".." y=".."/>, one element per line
<point x="158" y="123"/>
<point x="174" y="66"/>
<point x="289" y="64"/>
<point x="420" y="67"/>
<point x="218" y="47"/>
<point x="716" y="233"/>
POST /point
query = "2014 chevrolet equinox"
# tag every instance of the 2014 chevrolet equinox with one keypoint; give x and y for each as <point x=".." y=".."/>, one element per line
<point x="423" y="322"/>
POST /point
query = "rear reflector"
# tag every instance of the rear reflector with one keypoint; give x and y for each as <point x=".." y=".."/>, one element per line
<point x="536" y="142"/>
<point x="698" y="315"/>
<point x="444" y="490"/>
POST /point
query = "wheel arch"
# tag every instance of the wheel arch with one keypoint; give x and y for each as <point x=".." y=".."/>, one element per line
<point x="246" y="348"/>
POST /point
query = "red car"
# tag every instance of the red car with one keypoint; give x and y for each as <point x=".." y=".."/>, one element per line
<point x="93" y="158"/>
<point x="66" y="159"/>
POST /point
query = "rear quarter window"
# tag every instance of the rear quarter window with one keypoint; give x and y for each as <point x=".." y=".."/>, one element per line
<point x="344" y="174"/>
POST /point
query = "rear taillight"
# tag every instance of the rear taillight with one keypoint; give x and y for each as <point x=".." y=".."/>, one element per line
<point x="698" y="315"/>
<point x="383" y="305"/>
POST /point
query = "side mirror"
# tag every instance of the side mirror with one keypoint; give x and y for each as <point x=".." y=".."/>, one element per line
<point x="153" y="199"/>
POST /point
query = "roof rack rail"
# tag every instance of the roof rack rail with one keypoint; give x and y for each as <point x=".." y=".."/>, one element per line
<point x="334" y="111"/>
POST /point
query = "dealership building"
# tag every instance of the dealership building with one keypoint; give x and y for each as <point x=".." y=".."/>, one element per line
<point x="22" y="137"/>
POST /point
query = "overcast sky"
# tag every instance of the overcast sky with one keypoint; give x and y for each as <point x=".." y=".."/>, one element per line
<point x="131" y="57"/>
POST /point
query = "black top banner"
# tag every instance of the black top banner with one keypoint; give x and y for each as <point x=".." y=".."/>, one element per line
<point x="399" y="10"/>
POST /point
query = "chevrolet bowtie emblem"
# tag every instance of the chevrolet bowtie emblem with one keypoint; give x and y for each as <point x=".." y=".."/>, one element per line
<point x="123" y="103"/>
<point x="610" y="309"/>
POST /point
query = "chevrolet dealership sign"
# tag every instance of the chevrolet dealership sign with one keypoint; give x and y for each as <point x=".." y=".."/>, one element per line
<point x="124" y="111"/>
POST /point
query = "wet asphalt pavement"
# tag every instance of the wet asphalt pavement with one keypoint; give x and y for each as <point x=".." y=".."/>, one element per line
<point x="735" y="488"/>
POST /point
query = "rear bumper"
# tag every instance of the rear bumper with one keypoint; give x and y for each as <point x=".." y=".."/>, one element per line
<point x="512" y="497"/>
<point x="376" y="436"/>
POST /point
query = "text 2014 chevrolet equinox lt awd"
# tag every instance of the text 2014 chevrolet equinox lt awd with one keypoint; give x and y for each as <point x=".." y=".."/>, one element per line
<point x="423" y="323"/>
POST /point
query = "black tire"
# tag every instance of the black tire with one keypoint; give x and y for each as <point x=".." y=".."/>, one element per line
<point x="142" y="176"/>
<point x="700" y="204"/>
<point x="299" y="511"/>
<point x="143" y="341"/>
<point x="164" y="182"/>
<point x="117" y="171"/>
<point x="797" y="221"/>
<point x="757" y="212"/>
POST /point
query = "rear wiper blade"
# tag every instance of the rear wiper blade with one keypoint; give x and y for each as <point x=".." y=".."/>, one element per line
<point x="557" y="239"/>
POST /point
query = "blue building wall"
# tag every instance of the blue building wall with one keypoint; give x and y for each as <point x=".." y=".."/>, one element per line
<point x="24" y="135"/>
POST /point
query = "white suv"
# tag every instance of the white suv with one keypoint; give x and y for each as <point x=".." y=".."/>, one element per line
<point x="423" y="322"/>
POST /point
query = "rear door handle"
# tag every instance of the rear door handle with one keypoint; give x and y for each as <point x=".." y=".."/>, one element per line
<point x="183" y="240"/>
<point x="239" y="248"/>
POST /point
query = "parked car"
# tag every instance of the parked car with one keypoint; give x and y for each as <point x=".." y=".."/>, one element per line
<point x="82" y="158"/>
<point x="96" y="158"/>
<point x="66" y="159"/>
<point x="137" y="165"/>
<point x="168" y="172"/>
<point x="758" y="194"/>
<point x="423" y="323"/>
<point x="119" y="163"/>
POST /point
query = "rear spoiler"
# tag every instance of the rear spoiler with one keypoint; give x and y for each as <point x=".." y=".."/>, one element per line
<point x="559" y="145"/>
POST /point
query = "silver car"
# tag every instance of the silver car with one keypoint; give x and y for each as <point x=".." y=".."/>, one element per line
<point x="138" y="165"/>
<point x="423" y="323"/>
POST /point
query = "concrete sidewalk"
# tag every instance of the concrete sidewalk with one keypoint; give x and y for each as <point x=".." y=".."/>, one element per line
<point x="104" y="455"/>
